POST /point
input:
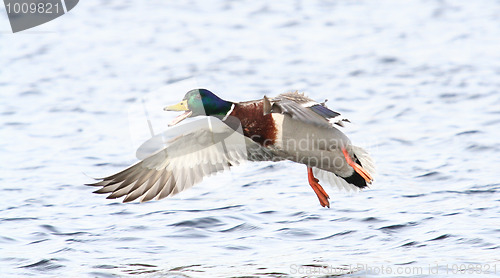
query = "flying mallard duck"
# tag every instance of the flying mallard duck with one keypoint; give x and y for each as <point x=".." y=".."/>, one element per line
<point x="290" y="126"/>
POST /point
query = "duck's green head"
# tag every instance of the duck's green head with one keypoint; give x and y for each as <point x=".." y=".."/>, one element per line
<point x="199" y="102"/>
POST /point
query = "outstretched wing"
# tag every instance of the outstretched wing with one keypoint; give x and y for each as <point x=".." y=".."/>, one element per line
<point x="303" y="109"/>
<point x="183" y="162"/>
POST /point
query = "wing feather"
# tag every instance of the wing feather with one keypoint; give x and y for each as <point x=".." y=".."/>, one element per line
<point x="305" y="109"/>
<point x="139" y="191"/>
<point x="182" y="162"/>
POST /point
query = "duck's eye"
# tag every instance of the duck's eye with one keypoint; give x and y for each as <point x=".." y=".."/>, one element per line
<point x="197" y="97"/>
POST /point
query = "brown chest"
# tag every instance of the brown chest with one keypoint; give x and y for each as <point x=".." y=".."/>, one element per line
<point x="256" y="126"/>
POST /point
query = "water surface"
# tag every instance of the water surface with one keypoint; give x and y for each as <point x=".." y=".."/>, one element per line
<point x="419" y="80"/>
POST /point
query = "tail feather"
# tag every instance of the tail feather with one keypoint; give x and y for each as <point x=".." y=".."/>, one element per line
<point x="334" y="180"/>
<point x="365" y="160"/>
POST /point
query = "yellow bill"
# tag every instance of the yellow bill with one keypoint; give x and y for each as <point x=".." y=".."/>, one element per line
<point x="181" y="106"/>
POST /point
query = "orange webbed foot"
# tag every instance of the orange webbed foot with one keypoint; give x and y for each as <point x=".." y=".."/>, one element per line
<point x="318" y="189"/>
<point x="360" y="170"/>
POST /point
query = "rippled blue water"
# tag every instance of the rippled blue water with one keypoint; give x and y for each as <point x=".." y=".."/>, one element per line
<point x="419" y="80"/>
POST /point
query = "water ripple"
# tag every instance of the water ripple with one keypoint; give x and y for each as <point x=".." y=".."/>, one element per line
<point x="44" y="265"/>
<point x="426" y="110"/>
